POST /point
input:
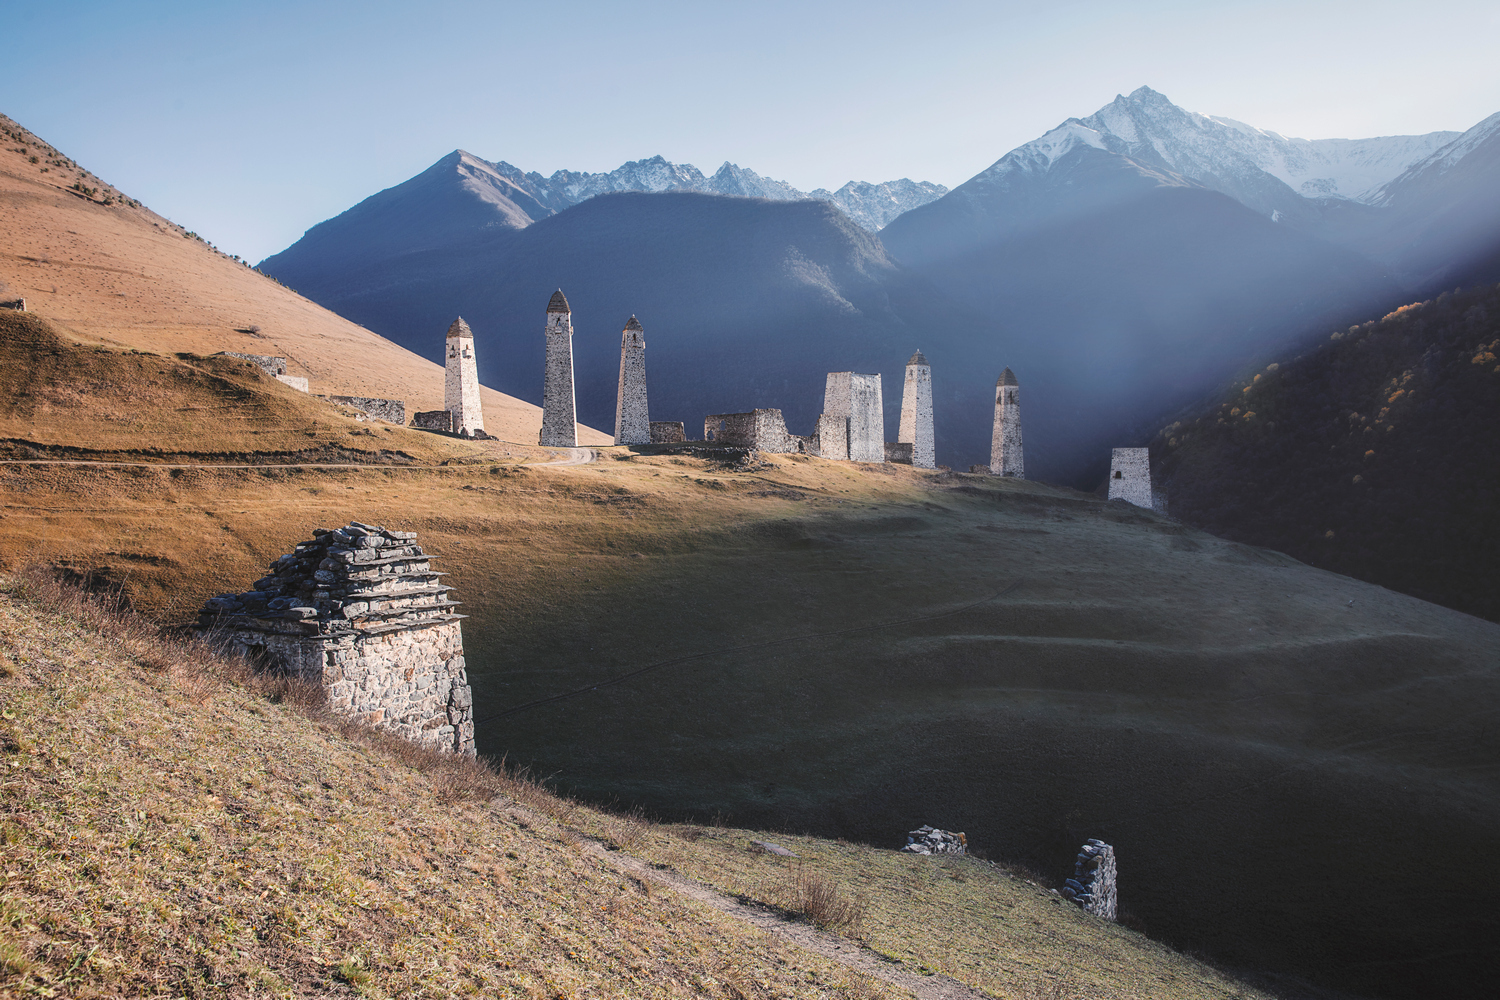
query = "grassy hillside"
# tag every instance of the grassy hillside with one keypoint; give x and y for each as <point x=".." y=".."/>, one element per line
<point x="172" y="826"/>
<point x="1373" y="455"/>
<point x="107" y="271"/>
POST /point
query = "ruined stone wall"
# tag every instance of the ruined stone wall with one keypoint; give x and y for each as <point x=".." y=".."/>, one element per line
<point x="833" y="437"/>
<point x="899" y="452"/>
<point x="461" y="381"/>
<point x="433" y="420"/>
<point x="668" y="432"/>
<point x="857" y="399"/>
<point x="632" y="420"/>
<point x="269" y="364"/>
<point x="392" y="411"/>
<point x="559" y="408"/>
<point x="1006" y="456"/>
<point x="1093" y="885"/>
<point x="764" y="430"/>
<point x="17" y="304"/>
<point x="1130" y="476"/>
<point x="360" y="611"/>
<point x="916" y="416"/>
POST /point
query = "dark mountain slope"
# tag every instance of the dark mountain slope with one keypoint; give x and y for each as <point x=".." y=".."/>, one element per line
<point x="1138" y="290"/>
<point x="1374" y="455"/>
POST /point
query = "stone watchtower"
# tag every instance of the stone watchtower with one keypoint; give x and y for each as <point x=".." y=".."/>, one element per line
<point x="916" y="413"/>
<point x="1005" y="446"/>
<point x="851" y="427"/>
<point x="1130" y="476"/>
<point x="559" y="409"/>
<point x="632" y="424"/>
<point x="461" y="382"/>
<point x="360" y="611"/>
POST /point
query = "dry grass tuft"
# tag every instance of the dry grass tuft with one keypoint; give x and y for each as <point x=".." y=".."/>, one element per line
<point x="818" y="898"/>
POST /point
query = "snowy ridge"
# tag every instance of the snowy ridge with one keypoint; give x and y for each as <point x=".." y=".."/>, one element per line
<point x="869" y="205"/>
<point x="1227" y="155"/>
<point x="1444" y="159"/>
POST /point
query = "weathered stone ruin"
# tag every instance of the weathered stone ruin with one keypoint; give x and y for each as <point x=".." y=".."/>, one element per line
<point x="392" y="411"/>
<point x="632" y="421"/>
<point x="852" y="425"/>
<point x="272" y="366"/>
<point x="899" y="451"/>
<point x="360" y="611"/>
<point x="763" y="430"/>
<point x="1005" y="446"/>
<point x="19" y="305"/>
<point x="1130" y="476"/>
<point x="433" y="420"/>
<point x="559" y="407"/>
<point x="916" y="414"/>
<point x="931" y="840"/>
<point x="1093" y="883"/>
<point x="461" y="382"/>
<point x="668" y="432"/>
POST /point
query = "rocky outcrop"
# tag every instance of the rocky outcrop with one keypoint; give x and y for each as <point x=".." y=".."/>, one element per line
<point x="931" y="840"/>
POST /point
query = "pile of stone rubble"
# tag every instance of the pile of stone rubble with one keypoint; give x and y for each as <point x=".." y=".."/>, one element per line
<point x="931" y="840"/>
<point x="1093" y="883"/>
<point x="356" y="578"/>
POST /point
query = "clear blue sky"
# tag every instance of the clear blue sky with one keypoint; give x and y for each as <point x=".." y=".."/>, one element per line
<point x="251" y="121"/>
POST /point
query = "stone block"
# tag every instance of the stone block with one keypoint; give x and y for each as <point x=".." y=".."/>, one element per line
<point x="668" y="432"/>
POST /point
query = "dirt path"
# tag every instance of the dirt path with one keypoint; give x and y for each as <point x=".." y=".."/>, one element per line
<point x="575" y="456"/>
<point x="830" y="946"/>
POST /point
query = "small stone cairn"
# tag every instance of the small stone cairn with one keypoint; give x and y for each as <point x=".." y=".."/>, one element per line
<point x="360" y="611"/>
<point x="931" y="840"/>
<point x="1093" y="883"/>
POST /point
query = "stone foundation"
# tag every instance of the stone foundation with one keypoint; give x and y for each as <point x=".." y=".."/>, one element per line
<point x="392" y="411"/>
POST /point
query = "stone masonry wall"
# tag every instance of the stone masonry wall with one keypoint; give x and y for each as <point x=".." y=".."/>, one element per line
<point x="17" y="304"/>
<point x="1006" y="456"/>
<point x="1093" y="885"/>
<point x="461" y="381"/>
<point x="1130" y="476"/>
<point x="916" y="414"/>
<point x="668" y="432"/>
<point x="833" y="437"/>
<point x="856" y="398"/>
<point x="899" y="452"/>
<point x="632" y="420"/>
<point x="392" y="411"/>
<point x="761" y="429"/>
<point x="270" y="364"/>
<point x="559" y="408"/>
<point x="433" y="420"/>
<point x="360" y="611"/>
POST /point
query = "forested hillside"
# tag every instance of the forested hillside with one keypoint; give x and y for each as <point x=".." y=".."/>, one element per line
<point x="1375" y="455"/>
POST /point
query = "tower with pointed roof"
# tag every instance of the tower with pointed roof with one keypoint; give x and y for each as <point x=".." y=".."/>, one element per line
<point x="1005" y="446"/>
<point x="632" y="422"/>
<point x="559" y="407"/>
<point x="916" y="413"/>
<point x="461" y="381"/>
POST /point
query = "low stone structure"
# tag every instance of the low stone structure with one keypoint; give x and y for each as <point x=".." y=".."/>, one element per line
<point x="272" y="365"/>
<point x="1006" y="457"/>
<point x="360" y="611"/>
<point x="1130" y="476"/>
<point x="852" y="403"/>
<point x="559" y="406"/>
<point x="632" y="419"/>
<point x="916" y="413"/>
<point x="764" y="430"/>
<point x="19" y="305"/>
<point x="433" y="420"/>
<point x="668" y="432"/>
<point x="392" y="411"/>
<point x="899" y="451"/>
<point x="1093" y="883"/>
<point x="931" y="840"/>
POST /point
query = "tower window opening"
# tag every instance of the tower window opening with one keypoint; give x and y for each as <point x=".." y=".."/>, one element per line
<point x="1119" y="475"/>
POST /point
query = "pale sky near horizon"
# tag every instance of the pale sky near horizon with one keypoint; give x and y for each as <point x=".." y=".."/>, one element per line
<point x="251" y="122"/>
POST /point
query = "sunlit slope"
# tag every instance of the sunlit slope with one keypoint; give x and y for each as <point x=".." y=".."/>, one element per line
<point x="118" y="274"/>
<point x="1293" y="765"/>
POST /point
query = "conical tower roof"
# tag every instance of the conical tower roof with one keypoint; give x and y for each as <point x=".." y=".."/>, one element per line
<point x="1007" y="377"/>
<point x="634" y="324"/>
<point x="460" y="329"/>
<point x="559" y="303"/>
<point x="916" y="359"/>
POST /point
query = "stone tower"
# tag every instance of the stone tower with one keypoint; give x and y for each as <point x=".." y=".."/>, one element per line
<point x="559" y="410"/>
<point x="916" y="413"/>
<point x="1130" y="476"/>
<point x="461" y="381"/>
<point x="852" y="425"/>
<point x="632" y="424"/>
<point x="1005" y="446"/>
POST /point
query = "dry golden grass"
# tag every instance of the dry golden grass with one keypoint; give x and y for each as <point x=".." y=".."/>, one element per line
<point x="120" y="276"/>
<point x="173" y="826"/>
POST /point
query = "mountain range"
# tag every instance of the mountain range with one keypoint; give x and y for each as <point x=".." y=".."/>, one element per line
<point x="1125" y="265"/>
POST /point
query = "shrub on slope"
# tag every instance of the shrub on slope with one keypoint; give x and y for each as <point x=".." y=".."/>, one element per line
<point x="1374" y="455"/>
